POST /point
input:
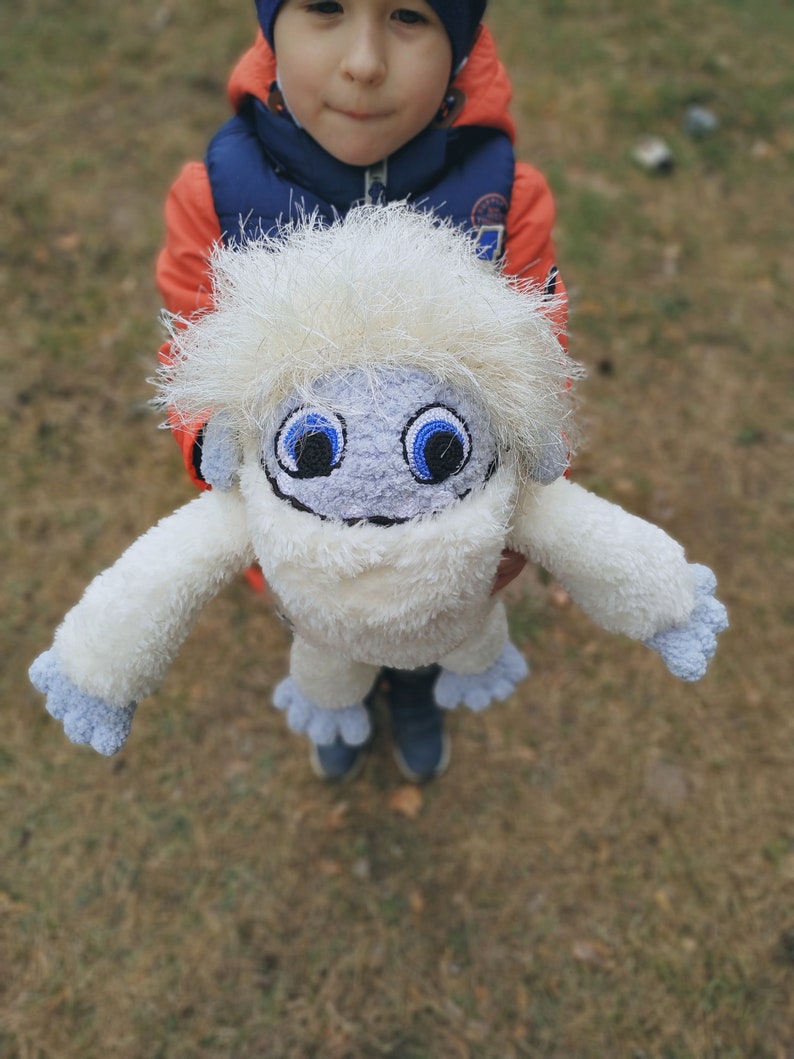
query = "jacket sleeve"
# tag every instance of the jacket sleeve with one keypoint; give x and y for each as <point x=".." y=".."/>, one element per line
<point x="529" y="248"/>
<point x="183" y="276"/>
<point x="192" y="230"/>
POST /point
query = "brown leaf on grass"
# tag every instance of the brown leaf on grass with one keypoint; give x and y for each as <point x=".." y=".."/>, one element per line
<point x="9" y="904"/>
<point x="416" y="997"/>
<point x="376" y="956"/>
<point x="235" y="768"/>
<point x="752" y="693"/>
<point x="361" y="869"/>
<point x="483" y="996"/>
<point x="523" y="753"/>
<point x="417" y="903"/>
<point x="594" y="953"/>
<point x="329" y="867"/>
<point x="41" y="254"/>
<point x="662" y="901"/>
<point x="624" y="487"/>
<point x="666" y="784"/>
<point x="335" y="819"/>
<point x="68" y="242"/>
<point x="407" y="800"/>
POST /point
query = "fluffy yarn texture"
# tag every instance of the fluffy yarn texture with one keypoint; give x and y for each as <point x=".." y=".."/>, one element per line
<point x="119" y="642"/>
<point x="388" y="286"/>
<point x="401" y="596"/>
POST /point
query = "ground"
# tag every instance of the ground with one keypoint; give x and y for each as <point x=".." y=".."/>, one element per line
<point x="608" y="867"/>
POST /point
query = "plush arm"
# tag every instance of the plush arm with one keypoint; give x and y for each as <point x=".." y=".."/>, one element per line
<point x="115" y="646"/>
<point x="627" y="574"/>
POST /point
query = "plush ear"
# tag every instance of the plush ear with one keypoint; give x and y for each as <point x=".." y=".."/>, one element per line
<point x="553" y="460"/>
<point x="220" y="454"/>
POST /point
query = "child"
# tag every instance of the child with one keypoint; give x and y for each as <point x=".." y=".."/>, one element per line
<point x="347" y="101"/>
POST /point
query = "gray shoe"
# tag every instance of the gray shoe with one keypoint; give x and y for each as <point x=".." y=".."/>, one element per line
<point x="337" y="761"/>
<point x="421" y="743"/>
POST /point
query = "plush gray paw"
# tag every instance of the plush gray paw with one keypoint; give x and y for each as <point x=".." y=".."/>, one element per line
<point x="322" y="724"/>
<point x="85" y="718"/>
<point x="478" y="690"/>
<point x="687" y="649"/>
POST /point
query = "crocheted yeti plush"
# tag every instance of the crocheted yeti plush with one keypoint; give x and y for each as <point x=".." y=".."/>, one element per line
<point x="385" y="414"/>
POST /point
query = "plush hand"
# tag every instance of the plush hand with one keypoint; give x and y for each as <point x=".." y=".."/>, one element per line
<point x="478" y="690"/>
<point x="687" y="649"/>
<point x="220" y="454"/>
<point x="86" y="719"/>
<point x="323" y="725"/>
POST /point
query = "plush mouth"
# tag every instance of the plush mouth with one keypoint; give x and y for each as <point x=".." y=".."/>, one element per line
<point x="373" y="520"/>
<point x="353" y="520"/>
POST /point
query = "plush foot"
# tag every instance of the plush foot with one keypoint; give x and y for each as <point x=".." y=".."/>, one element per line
<point x="323" y="725"/>
<point x="478" y="690"/>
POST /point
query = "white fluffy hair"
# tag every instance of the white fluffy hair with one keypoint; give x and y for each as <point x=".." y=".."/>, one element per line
<point x="387" y="286"/>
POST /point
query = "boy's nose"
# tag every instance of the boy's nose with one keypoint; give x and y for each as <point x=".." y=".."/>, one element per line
<point x="364" y="59"/>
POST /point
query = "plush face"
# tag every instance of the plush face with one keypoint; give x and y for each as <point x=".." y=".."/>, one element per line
<point x="381" y="448"/>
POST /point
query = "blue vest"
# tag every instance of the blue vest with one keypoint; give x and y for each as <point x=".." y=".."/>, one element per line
<point x="265" y="171"/>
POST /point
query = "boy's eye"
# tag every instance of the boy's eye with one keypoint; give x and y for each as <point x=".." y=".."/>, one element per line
<point x="409" y="17"/>
<point x="325" y="7"/>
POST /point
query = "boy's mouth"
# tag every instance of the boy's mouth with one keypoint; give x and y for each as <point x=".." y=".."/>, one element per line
<point x="360" y="115"/>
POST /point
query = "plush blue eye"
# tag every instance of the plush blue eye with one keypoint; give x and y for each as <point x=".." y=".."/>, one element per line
<point x="310" y="443"/>
<point x="436" y="444"/>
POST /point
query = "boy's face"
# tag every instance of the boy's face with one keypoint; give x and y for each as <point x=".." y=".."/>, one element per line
<point x="363" y="77"/>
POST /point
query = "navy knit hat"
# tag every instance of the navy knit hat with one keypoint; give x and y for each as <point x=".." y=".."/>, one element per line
<point x="460" y="18"/>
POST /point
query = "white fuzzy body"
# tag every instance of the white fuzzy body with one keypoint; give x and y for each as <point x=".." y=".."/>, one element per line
<point x="401" y="596"/>
<point x="362" y="597"/>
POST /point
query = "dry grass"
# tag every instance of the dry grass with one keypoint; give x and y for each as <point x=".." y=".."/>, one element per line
<point x="608" y="867"/>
